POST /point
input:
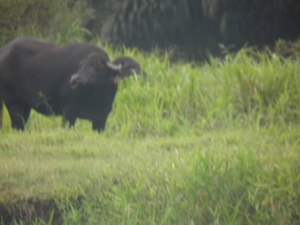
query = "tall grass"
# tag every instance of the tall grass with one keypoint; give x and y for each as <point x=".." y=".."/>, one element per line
<point x="248" y="88"/>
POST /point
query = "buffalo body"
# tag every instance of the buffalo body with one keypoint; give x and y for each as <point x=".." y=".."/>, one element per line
<point x="74" y="80"/>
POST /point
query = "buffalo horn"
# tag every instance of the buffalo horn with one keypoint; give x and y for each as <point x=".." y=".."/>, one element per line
<point x="113" y="66"/>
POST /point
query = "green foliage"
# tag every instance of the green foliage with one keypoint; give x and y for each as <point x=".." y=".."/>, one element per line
<point x="43" y="18"/>
<point x="250" y="87"/>
<point x="264" y="85"/>
<point x="288" y="48"/>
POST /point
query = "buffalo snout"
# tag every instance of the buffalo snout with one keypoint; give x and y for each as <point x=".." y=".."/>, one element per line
<point x="75" y="81"/>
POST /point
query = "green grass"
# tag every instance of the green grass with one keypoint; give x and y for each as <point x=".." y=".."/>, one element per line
<point x="242" y="176"/>
<point x="216" y="143"/>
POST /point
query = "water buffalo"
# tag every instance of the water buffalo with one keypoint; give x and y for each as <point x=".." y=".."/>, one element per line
<point x="74" y="80"/>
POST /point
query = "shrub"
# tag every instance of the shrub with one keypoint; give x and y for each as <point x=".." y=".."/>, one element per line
<point x="43" y="18"/>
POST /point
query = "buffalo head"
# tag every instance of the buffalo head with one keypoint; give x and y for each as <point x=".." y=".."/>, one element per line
<point x="129" y="66"/>
<point x="96" y="69"/>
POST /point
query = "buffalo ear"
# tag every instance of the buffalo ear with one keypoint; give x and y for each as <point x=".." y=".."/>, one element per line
<point x="113" y="66"/>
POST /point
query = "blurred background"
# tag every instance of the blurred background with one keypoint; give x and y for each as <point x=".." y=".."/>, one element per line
<point x="187" y="29"/>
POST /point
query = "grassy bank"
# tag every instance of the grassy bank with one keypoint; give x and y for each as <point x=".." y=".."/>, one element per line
<point x="242" y="176"/>
<point x="216" y="143"/>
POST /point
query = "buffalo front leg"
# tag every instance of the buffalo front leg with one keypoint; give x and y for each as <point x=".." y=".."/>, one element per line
<point x="68" y="119"/>
<point x="99" y="125"/>
<point x="68" y="122"/>
<point x="1" y="113"/>
<point x="19" y="113"/>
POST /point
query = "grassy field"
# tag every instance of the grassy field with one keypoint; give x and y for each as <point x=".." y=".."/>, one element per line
<point x="216" y="143"/>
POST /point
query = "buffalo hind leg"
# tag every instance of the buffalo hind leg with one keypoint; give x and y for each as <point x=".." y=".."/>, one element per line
<point x="19" y="113"/>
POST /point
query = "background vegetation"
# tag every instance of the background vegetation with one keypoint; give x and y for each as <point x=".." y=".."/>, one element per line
<point x="191" y="29"/>
<point x="42" y="18"/>
<point x="194" y="28"/>
<point x="215" y="142"/>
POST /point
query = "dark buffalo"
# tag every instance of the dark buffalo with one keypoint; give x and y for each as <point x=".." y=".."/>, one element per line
<point x="74" y="80"/>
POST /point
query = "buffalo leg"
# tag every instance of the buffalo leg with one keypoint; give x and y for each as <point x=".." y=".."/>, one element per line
<point x="19" y="113"/>
<point x="1" y="112"/>
<point x="99" y="125"/>
<point x="68" y="120"/>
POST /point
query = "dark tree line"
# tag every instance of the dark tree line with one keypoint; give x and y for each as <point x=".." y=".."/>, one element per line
<point x="192" y="27"/>
<point x="197" y="27"/>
